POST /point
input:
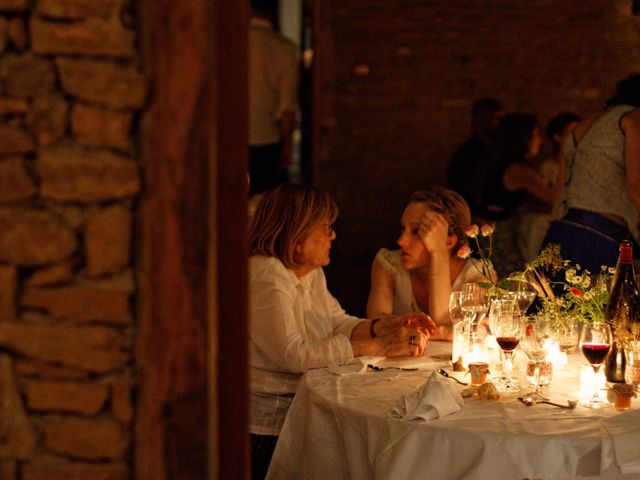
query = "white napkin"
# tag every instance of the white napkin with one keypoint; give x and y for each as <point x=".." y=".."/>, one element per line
<point x="625" y="433"/>
<point x="354" y="366"/>
<point x="437" y="398"/>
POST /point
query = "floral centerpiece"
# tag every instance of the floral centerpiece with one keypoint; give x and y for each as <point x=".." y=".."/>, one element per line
<point x="577" y="293"/>
<point x="569" y="294"/>
<point x="480" y="256"/>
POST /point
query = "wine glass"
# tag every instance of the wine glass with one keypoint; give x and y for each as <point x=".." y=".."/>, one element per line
<point x="475" y="303"/>
<point x="536" y="340"/>
<point x="455" y="306"/>
<point x="506" y="325"/>
<point x="523" y="292"/>
<point x="460" y="327"/>
<point x="595" y="344"/>
<point x="504" y="302"/>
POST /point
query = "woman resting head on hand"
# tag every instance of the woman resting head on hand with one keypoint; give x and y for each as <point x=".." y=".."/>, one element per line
<point x="291" y="233"/>
<point x="296" y="324"/>
<point x="421" y="275"/>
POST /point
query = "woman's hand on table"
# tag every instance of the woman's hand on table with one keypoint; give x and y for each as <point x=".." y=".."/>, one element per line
<point x="404" y="341"/>
<point x="394" y="336"/>
<point x="418" y="320"/>
<point x="406" y="334"/>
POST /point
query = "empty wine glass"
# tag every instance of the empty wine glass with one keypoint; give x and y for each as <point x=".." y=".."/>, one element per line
<point x="523" y="292"/>
<point x="455" y="306"/>
<point x="475" y="302"/>
<point x="506" y="326"/>
<point x="595" y="344"/>
<point x="461" y="332"/>
<point x="536" y="340"/>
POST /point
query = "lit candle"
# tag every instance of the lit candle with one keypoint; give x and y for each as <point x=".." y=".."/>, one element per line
<point x="589" y="382"/>
<point x="557" y="358"/>
<point x="475" y="355"/>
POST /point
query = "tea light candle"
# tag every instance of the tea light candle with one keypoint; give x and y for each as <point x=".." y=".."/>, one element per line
<point x="589" y="382"/>
<point x="474" y="356"/>
<point x="557" y="358"/>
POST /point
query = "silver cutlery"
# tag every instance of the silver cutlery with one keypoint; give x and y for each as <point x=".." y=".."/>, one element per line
<point x="528" y="401"/>
<point x="444" y="373"/>
<point x="377" y="368"/>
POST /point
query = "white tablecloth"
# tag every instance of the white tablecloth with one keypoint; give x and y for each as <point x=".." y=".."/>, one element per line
<point x="338" y="428"/>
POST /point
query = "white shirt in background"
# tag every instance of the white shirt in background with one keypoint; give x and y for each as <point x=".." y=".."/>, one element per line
<point x="273" y="81"/>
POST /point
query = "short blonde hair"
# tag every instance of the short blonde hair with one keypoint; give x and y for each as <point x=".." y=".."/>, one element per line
<point x="285" y="216"/>
<point x="451" y="205"/>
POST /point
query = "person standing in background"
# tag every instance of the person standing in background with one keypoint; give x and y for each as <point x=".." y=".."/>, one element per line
<point x="470" y="161"/>
<point x="600" y="203"/>
<point x="273" y="99"/>
<point x="533" y="223"/>
<point x="514" y="185"/>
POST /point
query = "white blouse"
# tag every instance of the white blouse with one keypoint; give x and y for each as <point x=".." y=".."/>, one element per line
<point x="296" y="325"/>
<point x="403" y="298"/>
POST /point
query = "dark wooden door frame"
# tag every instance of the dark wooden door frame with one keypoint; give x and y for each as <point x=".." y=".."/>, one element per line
<point x="191" y="335"/>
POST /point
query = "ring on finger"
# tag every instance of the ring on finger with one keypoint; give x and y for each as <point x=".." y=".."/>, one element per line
<point x="412" y="339"/>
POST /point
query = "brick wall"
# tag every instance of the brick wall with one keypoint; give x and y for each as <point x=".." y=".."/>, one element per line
<point x="70" y="86"/>
<point x="398" y="80"/>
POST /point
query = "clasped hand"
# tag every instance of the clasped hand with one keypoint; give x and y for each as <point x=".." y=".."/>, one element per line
<point x="406" y="334"/>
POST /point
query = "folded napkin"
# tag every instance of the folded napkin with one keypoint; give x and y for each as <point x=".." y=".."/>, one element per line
<point x="625" y="434"/>
<point x="354" y="366"/>
<point x="437" y="398"/>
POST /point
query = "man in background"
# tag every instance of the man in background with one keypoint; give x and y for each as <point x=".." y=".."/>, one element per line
<point x="471" y="160"/>
<point x="273" y="98"/>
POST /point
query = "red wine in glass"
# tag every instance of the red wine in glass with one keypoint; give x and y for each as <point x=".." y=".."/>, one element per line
<point x="595" y="353"/>
<point x="508" y="344"/>
<point x="595" y="344"/>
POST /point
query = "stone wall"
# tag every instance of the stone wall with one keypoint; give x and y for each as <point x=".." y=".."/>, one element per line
<point x="70" y="88"/>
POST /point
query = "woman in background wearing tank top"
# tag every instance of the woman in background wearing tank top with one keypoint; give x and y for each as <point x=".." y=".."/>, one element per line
<point x="600" y="204"/>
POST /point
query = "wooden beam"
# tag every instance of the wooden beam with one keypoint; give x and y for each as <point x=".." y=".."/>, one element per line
<point x="171" y="431"/>
<point x="232" y="150"/>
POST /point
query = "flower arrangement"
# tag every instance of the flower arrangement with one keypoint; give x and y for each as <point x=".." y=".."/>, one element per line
<point x="481" y="257"/>
<point x="628" y="334"/>
<point x="579" y="294"/>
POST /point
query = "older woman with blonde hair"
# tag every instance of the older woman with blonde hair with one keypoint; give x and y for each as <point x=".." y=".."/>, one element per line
<point x="296" y="324"/>
<point x="421" y="275"/>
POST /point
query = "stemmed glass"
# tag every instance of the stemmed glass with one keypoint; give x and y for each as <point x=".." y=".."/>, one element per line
<point x="475" y="303"/>
<point x="455" y="306"/>
<point x="504" y="302"/>
<point x="506" y="325"/>
<point x="523" y="292"/>
<point x="536" y="340"/>
<point x="595" y="343"/>
<point x="460" y="327"/>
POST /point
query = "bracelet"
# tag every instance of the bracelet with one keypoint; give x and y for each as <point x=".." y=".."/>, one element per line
<point x="372" y="325"/>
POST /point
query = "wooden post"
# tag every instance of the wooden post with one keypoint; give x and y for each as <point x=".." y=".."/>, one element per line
<point x="191" y="251"/>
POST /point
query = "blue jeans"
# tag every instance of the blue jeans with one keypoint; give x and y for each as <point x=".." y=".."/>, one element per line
<point x="588" y="239"/>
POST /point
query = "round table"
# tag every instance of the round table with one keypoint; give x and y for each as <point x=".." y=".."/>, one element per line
<point x="338" y="428"/>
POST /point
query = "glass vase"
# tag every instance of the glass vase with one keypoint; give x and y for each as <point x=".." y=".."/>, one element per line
<point x="567" y="334"/>
<point x="632" y="367"/>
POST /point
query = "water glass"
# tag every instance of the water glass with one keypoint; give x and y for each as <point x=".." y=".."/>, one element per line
<point x="536" y="341"/>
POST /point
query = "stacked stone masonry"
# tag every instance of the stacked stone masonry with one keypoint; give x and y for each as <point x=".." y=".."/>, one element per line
<point x="70" y="88"/>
